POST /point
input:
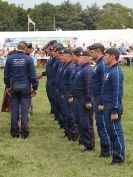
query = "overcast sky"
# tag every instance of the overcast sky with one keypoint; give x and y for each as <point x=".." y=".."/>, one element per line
<point x="31" y="3"/>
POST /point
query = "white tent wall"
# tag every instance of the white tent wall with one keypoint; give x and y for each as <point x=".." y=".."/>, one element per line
<point x="88" y="37"/>
<point x="107" y="36"/>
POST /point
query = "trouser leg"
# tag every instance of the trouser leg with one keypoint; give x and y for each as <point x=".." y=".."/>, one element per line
<point x="105" y="143"/>
<point x="15" y="99"/>
<point x="25" y="103"/>
<point x="86" y="126"/>
<point x="115" y="131"/>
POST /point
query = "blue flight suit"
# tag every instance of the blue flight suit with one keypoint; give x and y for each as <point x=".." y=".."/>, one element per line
<point x="112" y="93"/>
<point x="19" y="75"/>
<point x="58" y="111"/>
<point x="74" y="121"/>
<point x="97" y="82"/>
<point x="82" y="84"/>
<point x="48" y="73"/>
<point x="65" y="91"/>
<point x="54" y="70"/>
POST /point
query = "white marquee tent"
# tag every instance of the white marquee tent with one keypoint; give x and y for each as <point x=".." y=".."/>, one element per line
<point x="75" y="37"/>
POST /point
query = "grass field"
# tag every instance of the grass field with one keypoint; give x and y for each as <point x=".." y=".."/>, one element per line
<point x="47" y="154"/>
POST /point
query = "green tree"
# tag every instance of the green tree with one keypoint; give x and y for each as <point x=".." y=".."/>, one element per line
<point x="12" y="18"/>
<point x="69" y="16"/>
<point x="43" y="15"/>
<point x="130" y="19"/>
<point x="7" y="16"/>
<point x="22" y="19"/>
<point x="91" y="16"/>
<point x="114" y="16"/>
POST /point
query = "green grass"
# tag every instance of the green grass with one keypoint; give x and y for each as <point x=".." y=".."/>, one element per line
<point x="47" y="154"/>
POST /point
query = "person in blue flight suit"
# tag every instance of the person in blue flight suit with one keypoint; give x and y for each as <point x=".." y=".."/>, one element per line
<point x="65" y="89"/>
<point x="83" y="100"/>
<point x="19" y="76"/>
<point x="97" y="53"/>
<point x="74" y="121"/>
<point x="54" y="71"/>
<point x="111" y="104"/>
<point x="58" y="95"/>
<point x="49" y="50"/>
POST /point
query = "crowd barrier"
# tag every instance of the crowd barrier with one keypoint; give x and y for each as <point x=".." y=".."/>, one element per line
<point x="129" y="56"/>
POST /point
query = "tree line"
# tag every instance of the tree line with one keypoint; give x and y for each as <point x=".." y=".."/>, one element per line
<point x="66" y="16"/>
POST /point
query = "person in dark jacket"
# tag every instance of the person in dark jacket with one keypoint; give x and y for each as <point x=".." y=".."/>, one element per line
<point x="65" y="90"/>
<point x="97" y="53"/>
<point x="83" y="101"/>
<point x="49" y="72"/>
<point x="74" y="120"/>
<point x="19" y="75"/>
<point x="58" y="95"/>
<point x="6" y="106"/>
<point x="111" y="104"/>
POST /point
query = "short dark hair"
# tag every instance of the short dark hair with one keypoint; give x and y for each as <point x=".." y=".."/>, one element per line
<point x="23" y="42"/>
<point x="113" y="51"/>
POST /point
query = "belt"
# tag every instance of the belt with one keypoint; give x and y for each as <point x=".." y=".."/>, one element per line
<point x="107" y="106"/>
<point x="96" y="97"/>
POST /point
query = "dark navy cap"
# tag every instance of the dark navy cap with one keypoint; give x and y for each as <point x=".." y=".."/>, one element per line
<point x="58" y="48"/>
<point x="66" y="51"/>
<point x="52" y="42"/>
<point x="112" y="51"/>
<point x="29" y="45"/>
<point x="85" y="53"/>
<point x="96" y="46"/>
<point x="57" y="45"/>
<point x="78" y="51"/>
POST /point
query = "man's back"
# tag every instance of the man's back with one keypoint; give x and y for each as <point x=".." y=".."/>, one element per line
<point x="20" y="68"/>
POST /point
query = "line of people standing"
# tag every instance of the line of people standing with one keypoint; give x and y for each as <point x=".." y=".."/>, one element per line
<point x="75" y="90"/>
